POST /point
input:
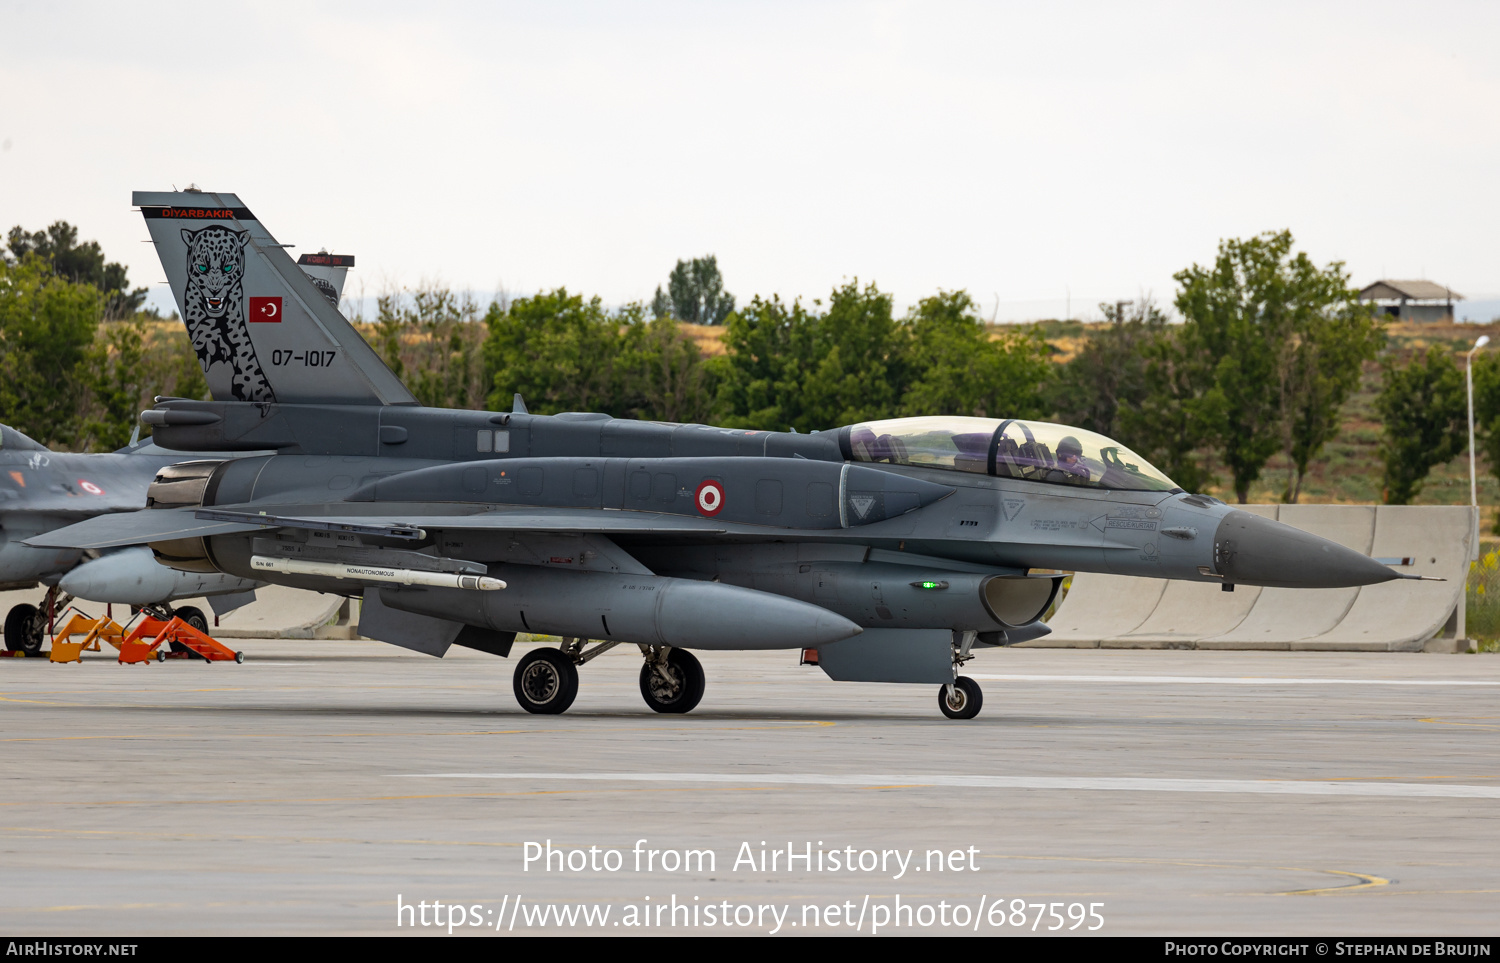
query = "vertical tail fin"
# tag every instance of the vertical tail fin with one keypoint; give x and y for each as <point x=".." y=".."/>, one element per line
<point x="261" y="327"/>
<point x="327" y="272"/>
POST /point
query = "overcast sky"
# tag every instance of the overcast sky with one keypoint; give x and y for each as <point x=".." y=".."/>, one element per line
<point x="1024" y="152"/>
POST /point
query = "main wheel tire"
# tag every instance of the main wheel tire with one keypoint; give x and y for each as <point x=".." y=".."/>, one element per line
<point x="687" y="671"/>
<point x="546" y="682"/>
<point x="965" y="701"/>
<point x="24" y="629"/>
<point x="194" y="617"/>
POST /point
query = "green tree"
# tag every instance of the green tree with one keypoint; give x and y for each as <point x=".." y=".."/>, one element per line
<point x="770" y="347"/>
<point x="1487" y="411"/>
<point x="1177" y="412"/>
<point x="695" y="293"/>
<point x="958" y="368"/>
<point x="1424" y="407"/>
<point x="560" y="352"/>
<point x="861" y="361"/>
<point x="47" y="328"/>
<point x="1335" y="335"/>
<point x="1251" y="313"/>
<point x="667" y="379"/>
<point x="1110" y="372"/>
<point x="79" y="263"/>
<point x="788" y="366"/>
<point x="118" y="374"/>
<point x="430" y="339"/>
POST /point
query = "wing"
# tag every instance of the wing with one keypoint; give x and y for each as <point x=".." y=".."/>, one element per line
<point x="136" y="528"/>
<point x="154" y="525"/>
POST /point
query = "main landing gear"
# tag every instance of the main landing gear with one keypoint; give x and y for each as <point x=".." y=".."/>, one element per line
<point x="962" y="698"/>
<point x="672" y="679"/>
<point x="26" y="625"/>
<point x="190" y="614"/>
<point x="546" y="680"/>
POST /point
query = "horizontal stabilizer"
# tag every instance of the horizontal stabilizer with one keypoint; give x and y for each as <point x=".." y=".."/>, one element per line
<point x="136" y="528"/>
<point x="262" y="329"/>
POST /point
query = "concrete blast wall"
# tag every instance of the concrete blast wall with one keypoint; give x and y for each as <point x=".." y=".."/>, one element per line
<point x="1116" y="611"/>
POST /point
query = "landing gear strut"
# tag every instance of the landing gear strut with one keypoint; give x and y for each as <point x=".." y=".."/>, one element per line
<point x="962" y="698"/>
<point x="672" y="679"/>
<point x="26" y="625"/>
<point x="546" y="680"/>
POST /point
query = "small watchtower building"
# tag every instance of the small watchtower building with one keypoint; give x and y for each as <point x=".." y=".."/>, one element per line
<point x="1412" y="300"/>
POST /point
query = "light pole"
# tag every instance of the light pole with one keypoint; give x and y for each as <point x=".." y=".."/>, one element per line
<point x="1473" y="484"/>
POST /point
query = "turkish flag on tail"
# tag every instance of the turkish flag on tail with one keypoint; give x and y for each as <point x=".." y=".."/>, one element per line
<point x="265" y="309"/>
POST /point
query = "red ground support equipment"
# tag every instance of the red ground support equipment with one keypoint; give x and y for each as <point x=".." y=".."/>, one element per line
<point x="206" y="646"/>
<point x="142" y="640"/>
<point x="149" y="635"/>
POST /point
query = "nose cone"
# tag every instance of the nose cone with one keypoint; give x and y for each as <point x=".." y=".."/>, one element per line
<point x="1257" y="551"/>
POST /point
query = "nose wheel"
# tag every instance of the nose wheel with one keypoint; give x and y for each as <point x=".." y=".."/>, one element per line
<point x="672" y="680"/>
<point x="961" y="700"/>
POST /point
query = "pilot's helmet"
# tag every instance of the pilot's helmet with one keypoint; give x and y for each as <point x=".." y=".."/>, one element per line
<point x="1069" y="446"/>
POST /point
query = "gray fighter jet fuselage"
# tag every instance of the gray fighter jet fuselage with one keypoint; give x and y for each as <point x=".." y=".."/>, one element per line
<point x="916" y="540"/>
<point x="887" y="551"/>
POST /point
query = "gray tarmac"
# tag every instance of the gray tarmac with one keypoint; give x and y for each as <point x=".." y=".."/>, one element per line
<point x="1162" y="792"/>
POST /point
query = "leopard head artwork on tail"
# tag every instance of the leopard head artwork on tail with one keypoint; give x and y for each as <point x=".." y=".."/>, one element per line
<point x="214" y="310"/>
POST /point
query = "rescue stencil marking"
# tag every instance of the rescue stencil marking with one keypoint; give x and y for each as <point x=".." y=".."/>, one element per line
<point x="710" y="498"/>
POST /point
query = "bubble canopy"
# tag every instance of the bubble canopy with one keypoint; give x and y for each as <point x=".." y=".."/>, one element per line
<point x="1030" y="450"/>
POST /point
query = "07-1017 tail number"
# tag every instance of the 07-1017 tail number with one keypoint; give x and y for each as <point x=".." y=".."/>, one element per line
<point x="308" y="359"/>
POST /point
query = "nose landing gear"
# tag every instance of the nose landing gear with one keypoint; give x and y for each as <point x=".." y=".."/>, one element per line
<point x="961" y="700"/>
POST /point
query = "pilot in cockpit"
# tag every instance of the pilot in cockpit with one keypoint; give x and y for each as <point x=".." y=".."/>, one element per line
<point x="1070" y="469"/>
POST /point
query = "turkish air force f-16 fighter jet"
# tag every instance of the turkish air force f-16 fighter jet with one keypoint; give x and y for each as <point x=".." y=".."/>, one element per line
<point x="889" y="551"/>
<point x="42" y="490"/>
